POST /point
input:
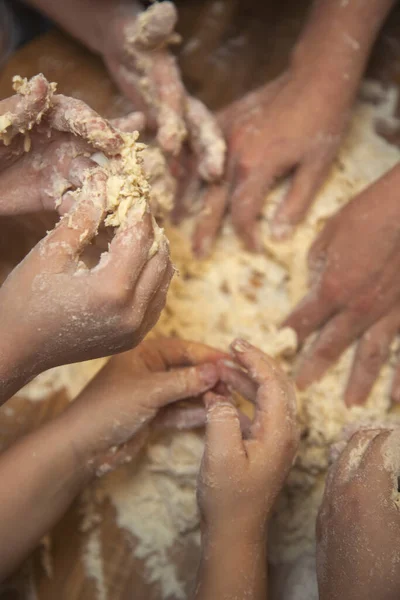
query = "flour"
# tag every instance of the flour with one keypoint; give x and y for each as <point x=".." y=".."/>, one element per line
<point x="235" y="293"/>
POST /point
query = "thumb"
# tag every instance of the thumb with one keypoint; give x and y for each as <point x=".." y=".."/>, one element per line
<point x="77" y="228"/>
<point x="154" y="26"/>
<point x="223" y="432"/>
<point x="161" y="389"/>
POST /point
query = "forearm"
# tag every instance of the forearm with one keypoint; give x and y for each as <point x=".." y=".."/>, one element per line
<point x="90" y="21"/>
<point x="231" y="569"/>
<point x="337" y="40"/>
<point x="16" y="366"/>
<point x="41" y="474"/>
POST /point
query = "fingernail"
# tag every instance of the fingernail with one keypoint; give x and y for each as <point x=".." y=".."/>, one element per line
<point x="240" y="345"/>
<point x="232" y="365"/>
<point x="281" y="229"/>
<point x="208" y="374"/>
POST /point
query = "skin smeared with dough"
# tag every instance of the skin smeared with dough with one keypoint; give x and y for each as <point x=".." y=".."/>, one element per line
<point x="57" y="306"/>
<point x="119" y="154"/>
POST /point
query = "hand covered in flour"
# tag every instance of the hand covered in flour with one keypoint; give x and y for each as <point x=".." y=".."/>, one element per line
<point x="54" y="309"/>
<point x="242" y="473"/>
<point x="359" y="522"/>
<point x="139" y="388"/>
<point x="137" y="56"/>
<point x="286" y="126"/>
<point x="104" y="427"/>
<point x="46" y="144"/>
<point x="293" y="125"/>
<point x="355" y="291"/>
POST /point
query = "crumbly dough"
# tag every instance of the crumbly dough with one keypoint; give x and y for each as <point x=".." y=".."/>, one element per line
<point x="236" y="293"/>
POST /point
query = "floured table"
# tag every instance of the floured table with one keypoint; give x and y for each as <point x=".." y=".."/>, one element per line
<point x="87" y="556"/>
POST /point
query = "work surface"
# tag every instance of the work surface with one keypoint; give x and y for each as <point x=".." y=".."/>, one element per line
<point x="261" y="54"/>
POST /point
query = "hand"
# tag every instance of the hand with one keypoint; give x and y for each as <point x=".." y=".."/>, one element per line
<point x="241" y="478"/>
<point x="137" y="56"/>
<point x="132" y="389"/>
<point x="55" y="310"/>
<point x="355" y="292"/>
<point x="359" y="524"/>
<point x="292" y="125"/>
<point x="47" y="140"/>
<point x="45" y="470"/>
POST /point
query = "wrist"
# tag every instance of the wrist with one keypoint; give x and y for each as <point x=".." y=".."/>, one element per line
<point x="16" y="364"/>
<point x="246" y="534"/>
<point x="336" y="42"/>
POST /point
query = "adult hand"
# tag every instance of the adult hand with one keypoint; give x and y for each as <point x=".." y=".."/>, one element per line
<point x="292" y="125"/>
<point x="137" y="56"/>
<point x="355" y="291"/>
<point x="359" y="523"/>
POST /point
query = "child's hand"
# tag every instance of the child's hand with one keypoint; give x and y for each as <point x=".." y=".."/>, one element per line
<point x="133" y="388"/>
<point x="46" y="141"/>
<point x="240" y="476"/>
<point x="54" y="310"/>
<point x="358" y="526"/>
<point x="46" y="469"/>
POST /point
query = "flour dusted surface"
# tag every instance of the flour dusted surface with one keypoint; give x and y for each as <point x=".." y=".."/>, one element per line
<point x="236" y="293"/>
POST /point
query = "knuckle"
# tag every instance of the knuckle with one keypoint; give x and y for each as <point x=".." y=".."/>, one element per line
<point x="331" y="288"/>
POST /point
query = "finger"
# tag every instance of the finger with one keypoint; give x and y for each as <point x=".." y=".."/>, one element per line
<point x="311" y="312"/>
<point x="206" y="139"/>
<point x="125" y="454"/>
<point x="135" y="121"/>
<point x="77" y="228"/>
<point x="372" y="352"/>
<point x="151" y="277"/>
<point x="154" y="26"/>
<point x="333" y="339"/>
<point x="237" y="380"/>
<point x="181" y="417"/>
<point x="130" y="84"/>
<point x="276" y="400"/>
<point x="130" y="248"/>
<point x="210" y="218"/>
<point x="251" y="185"/>
<point x="22" y="111"/>
<point x="74" y="116"/>
<point x="171" y="102"/>
<point x="317" y="254"/>
<point x="223" y="434"/>
<point x="177" y="353"/>
<point x="305" y="184"/>
<point x="161" y="389"/>
<point x="350" y="458"/>
<point x="152" y="298"/>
